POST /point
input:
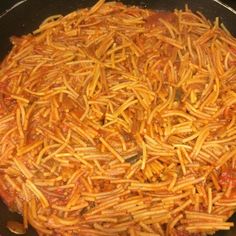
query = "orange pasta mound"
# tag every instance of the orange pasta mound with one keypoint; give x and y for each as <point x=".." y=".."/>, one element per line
<point x="117" y="120"/>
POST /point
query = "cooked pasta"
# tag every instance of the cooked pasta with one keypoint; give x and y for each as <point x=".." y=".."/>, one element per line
<point x="117" y="120"/>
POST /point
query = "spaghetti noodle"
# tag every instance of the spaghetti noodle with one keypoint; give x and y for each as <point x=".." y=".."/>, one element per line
<point x="119" y="121"/>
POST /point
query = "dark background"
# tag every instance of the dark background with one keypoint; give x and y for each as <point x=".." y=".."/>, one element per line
<point x="30" y="14"/>
<point x="5" y="4"/>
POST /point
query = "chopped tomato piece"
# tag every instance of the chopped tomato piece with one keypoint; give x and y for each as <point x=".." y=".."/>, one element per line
<point x="227" y="176"/>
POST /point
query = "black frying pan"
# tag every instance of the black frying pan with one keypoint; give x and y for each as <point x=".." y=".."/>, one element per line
<point x="26" y="16"/>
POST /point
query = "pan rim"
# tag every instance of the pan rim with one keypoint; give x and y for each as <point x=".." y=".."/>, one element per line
<point x="5" y="12"/>
<point x="225" y="6"/>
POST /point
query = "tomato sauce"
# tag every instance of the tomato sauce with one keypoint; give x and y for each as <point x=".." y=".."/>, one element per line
<point x="6" y="196"/>
<point x="185" y="233"/>
<point x="229" y="111"/>
<point x="227" y="176"/>
<point x="153" y="19"/>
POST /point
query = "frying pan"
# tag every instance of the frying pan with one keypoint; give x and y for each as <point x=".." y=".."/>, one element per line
<point x="23" y="16"/>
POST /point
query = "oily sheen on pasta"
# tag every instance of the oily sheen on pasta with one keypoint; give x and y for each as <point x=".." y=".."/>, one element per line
<point x="118" y="121"/>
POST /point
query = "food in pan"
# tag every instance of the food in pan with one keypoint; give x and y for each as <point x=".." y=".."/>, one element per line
<point x="117" y="120"/>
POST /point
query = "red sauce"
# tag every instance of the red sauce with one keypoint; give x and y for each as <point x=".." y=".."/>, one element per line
<point x="229" y="175"/>
<point x="229" y="111"/>
<point x="185" y="233"/>
<point x="7" y="103"/>
<point x="6" y="195"/>
<point x="153" y="19"/>
<point x="64" y="127"/>
<point x="233" y="50"/>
